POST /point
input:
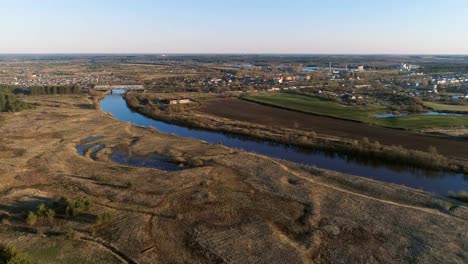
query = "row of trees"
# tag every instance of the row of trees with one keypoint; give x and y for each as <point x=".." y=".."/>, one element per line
<point x="55" y="89"/>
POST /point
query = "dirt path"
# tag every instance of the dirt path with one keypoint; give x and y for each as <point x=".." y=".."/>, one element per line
<point x="335" y="188"/>
<point x="260" y="114"/>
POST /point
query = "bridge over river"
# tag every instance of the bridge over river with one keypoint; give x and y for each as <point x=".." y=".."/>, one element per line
<point x="107" y="88"/>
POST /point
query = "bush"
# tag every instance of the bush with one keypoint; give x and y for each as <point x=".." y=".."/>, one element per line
<point x="103" y="218"/>
<point x="10" y="255"/>
<point x="31" y="219"/>
<point x="461" y="196"/>
<point x="129" y="185"/>
<point x="196" y="162"/>
<point x="76" y="207"/>
<point x="50" y="214"/>
<point x="41" y="210"/>
<point x="70" y="233"/>
<point x="97" y="178"/>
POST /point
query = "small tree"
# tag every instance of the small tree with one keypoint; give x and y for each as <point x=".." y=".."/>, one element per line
<point x="50" y="214"/>
<point x="41" y="210"/>
<point x="70" y="234"/>
<point x="31" y="219"/>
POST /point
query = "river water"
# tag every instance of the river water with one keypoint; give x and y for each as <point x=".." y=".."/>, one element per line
<point x="430" y="181"/>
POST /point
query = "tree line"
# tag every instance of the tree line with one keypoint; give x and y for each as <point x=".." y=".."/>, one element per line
<point x="54" y="89"/>
<point x="10" y="103"/>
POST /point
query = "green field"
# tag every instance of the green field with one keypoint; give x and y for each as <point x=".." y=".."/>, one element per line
<point x="318" y="106"/>
<point x="445" y="107"/>
<point x="365" y="114"/>
<point x="415" y="122"/>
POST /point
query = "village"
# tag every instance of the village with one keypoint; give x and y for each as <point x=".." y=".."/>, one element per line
<point x="347" y="83"/>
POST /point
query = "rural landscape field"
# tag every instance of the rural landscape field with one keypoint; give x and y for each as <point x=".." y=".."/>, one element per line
<point x="179" y="132"/>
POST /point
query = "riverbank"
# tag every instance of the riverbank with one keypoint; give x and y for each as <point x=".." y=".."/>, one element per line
<point x="288" y="212"/>
<point x="364" y="149"/>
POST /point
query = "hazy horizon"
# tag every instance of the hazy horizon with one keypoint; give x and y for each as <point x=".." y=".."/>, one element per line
<point x="336" y="27"/>
<point x="228" y="53"/>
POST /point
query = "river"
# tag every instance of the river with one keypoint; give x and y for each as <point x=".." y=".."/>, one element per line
<point x="430" y="181"/>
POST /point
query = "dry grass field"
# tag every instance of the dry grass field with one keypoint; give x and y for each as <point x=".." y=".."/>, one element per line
<point x="223" y="205"/>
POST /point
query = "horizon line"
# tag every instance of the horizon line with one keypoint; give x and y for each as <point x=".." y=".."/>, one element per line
<point x="234" y="53"/>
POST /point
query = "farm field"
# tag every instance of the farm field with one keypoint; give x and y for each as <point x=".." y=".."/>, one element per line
<point x="318" y="106"/>
<point x="446" y="107"/>
<point x="260" y="114"/>
<point x="366" y="114"/>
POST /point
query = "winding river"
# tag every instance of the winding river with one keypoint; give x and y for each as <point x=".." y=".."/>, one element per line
<point x="430" y="181"/>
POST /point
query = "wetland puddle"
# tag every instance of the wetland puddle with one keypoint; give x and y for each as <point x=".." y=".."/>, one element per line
<point x="122" y="157"/>
<point x="149" y="161"/>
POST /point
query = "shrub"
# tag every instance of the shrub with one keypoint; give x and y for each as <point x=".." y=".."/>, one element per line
<point x="365" y="141"/>
<point x="103" y="218"/>
<point x="7" y="252"/>
<point x="302" y="140"/>
<point x="461" y="196"/>
<point x="312" y="135"/>
<point x="97" y="178"/>
<point x="31" y="219"/>
<point x="432" y="150"/>
<point x="41" y="210"/>
<point x="50" y="214"/>
<point x="70" y="233"/>
<point x="76" y="207"/>
<point x="196" y="162"/>
<point x="10" y="255"/>
<point x="129" y="185"/>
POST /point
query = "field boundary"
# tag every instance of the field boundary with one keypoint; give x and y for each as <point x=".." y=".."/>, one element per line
<point x="314" y="114"/>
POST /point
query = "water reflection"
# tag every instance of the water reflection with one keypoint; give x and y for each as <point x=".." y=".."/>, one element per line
<point x="148" y="161"/>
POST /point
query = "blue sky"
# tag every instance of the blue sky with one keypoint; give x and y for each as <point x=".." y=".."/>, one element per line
<point x="230" y="26"/>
